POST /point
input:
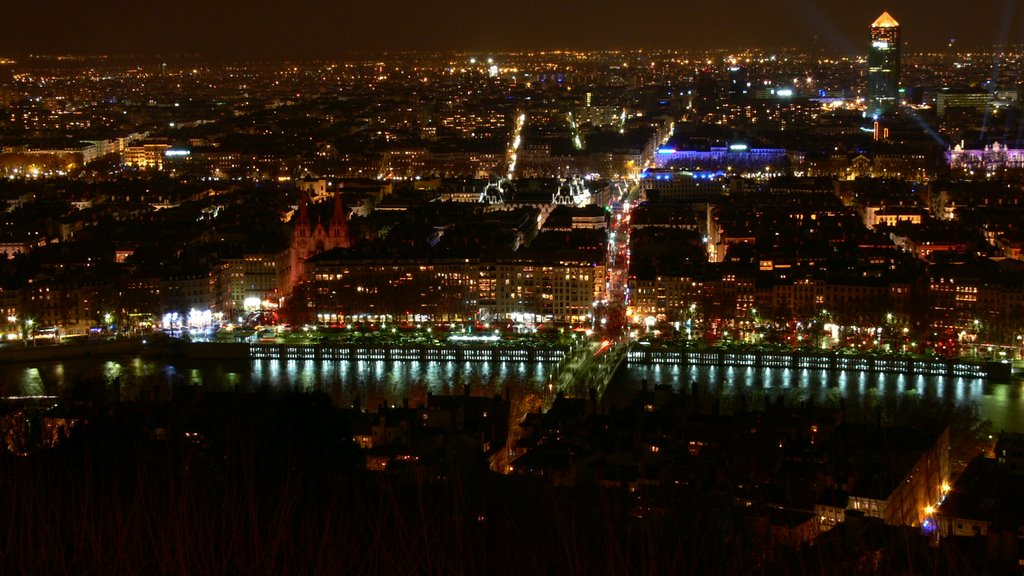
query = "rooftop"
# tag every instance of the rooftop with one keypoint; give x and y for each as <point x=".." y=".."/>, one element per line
<point x="885" y="21"/>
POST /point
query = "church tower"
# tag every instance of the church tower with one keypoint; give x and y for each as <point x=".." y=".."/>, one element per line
<point x="338" y="230"/>
<point x="309" y="240"/>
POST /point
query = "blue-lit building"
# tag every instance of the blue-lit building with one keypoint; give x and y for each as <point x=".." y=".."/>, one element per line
<point x="884" y="65"/>
<point x="674" y="186"/>
<point x="737" y="159"/>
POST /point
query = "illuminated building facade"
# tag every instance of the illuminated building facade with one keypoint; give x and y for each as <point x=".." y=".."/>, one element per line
<point x="187" y="292"/>
<point x="309" y="239"/>
<point x="986" y="160"/>
<point x="255" y="276"/>
<point x="976" y="100"/>
<point x="679" y="186"/>
<point x="884" y="65"/>
<point x="559" y="291"/>
<point x="145" y="155"/>
<point x="736" y="158"/>
<point x="59" y="303"/>
<point x="340" y="289"/>
<point x="976" y="304"/>
<point x="673" y="298"/>
<point x="729" y="298"/>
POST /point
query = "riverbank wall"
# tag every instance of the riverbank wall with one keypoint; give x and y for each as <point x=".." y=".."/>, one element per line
<point x="798" y="360"/>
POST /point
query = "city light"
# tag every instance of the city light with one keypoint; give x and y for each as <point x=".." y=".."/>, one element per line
<point x="420" y="266"/>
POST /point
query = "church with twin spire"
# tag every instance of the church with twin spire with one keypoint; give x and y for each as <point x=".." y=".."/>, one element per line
<point x="309" y="239"/>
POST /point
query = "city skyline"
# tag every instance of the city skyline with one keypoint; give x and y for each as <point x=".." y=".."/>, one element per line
<point x="490" y="296"/>
<point x="306" y="30"/>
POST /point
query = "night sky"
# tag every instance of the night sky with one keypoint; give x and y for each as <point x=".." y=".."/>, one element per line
<point x="332" y="28"/>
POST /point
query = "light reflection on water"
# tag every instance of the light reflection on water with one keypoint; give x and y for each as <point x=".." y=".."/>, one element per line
<point x="375" y="381"/>
<point x="372" y="382"/>
<point x="1003" y="403"/>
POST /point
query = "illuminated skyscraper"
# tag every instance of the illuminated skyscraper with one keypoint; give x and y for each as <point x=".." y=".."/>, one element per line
<point x="884" y="65"/>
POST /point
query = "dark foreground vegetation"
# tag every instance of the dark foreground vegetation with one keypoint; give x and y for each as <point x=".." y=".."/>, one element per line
<point x="274" y="485"/>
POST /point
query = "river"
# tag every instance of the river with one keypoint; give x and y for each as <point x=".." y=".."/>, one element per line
<point x="373" y="382"/>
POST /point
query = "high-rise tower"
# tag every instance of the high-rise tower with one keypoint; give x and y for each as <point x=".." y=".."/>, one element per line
<point x="884" y="65"/>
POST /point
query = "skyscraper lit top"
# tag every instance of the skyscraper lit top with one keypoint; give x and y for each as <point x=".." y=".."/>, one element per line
<point x="884" y="65"/>
<point x="885" y="21"/>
